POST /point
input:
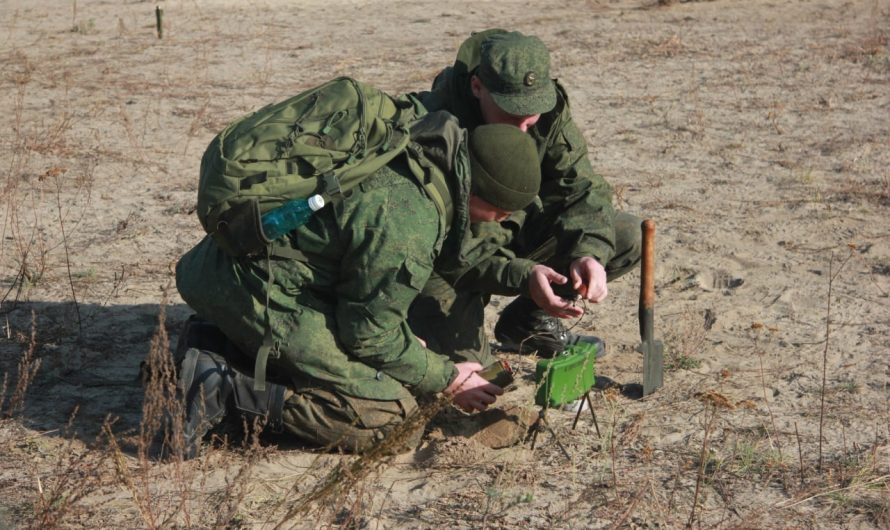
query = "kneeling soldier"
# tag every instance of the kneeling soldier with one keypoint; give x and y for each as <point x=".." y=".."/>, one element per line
<point x="345" y="367"/>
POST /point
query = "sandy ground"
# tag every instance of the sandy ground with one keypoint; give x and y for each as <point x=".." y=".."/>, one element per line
<point x="755" y="134"/>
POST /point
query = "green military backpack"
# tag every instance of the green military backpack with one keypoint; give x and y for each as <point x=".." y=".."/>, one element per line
<point x="325" y="140"/>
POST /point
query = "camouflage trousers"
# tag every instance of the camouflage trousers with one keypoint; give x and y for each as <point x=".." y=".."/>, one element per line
<point x="313" y="411"/>
<point x="334" y="420"/>
<point x="452" y="321"/>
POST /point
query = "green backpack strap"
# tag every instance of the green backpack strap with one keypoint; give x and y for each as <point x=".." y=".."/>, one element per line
<point x="432" y="180"/>
<point x="278" y="249"/>
<point x="268" y="344"/>
<point x="438" y="150"/>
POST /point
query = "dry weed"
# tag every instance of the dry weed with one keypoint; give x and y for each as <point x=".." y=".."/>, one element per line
<point x="872" y="51"/>
<point x="166" y="488"/>
<point x="685" y="342"/>
<point x="77" y="474"/>
<point x="874" y="190"/>
<point x="347" y="476"/>
<point x="28" y="366"/>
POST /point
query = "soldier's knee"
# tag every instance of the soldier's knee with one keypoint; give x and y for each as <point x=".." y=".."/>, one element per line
<point x="628" y="245"/>
<point x="344" y="423"/>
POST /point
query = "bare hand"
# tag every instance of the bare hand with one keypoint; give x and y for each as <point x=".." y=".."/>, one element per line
<point x="470" y="391"/>
<point x="589" y="279"/>
<point x="542" y="293"/>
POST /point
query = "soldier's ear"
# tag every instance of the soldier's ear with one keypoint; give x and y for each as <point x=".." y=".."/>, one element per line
<point x="476" y="86"/>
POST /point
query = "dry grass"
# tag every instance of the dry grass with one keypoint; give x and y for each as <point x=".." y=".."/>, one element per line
<point x="73" y="487"/>
<point x="175" y="493"/>
<point x="685" y="341"/>
<point x="874" y="190"/>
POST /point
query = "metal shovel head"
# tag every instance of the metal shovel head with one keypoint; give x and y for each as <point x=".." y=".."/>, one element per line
<point x="653" y="365"/>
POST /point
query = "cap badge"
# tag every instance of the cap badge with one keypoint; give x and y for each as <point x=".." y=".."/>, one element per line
<point x="530" y="78"/>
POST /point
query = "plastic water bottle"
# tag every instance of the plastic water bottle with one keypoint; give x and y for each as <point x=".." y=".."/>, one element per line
<point x="293" y="214"/>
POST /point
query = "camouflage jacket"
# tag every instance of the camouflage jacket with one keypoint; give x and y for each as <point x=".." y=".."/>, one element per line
<point x="576" y="202"/>
<point x="362" y="263"/>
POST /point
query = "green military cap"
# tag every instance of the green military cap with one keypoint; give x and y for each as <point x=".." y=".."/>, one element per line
<point x="504" y="166"/>
<point x="515" y="68"/>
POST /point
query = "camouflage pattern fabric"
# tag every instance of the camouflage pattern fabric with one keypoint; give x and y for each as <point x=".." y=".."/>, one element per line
<point x="575" y="204"/>
<point x="338" y="316"/>
<point x="338" y="421"/>
<point x="451" y="318"/>
<point x="572" y="218"/>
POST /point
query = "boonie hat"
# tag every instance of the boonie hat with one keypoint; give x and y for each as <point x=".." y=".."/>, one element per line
<point x="515" y="68"/>
<point x="504" y="166"/>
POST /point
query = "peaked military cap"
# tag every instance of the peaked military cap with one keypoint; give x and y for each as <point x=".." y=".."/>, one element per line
<point x="515" y="68"/>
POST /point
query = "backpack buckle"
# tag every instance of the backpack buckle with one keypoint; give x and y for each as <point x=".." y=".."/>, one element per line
<point x="331" y="185"/>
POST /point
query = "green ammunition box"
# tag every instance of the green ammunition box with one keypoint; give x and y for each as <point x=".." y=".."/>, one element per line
<point x="567" y="376"/>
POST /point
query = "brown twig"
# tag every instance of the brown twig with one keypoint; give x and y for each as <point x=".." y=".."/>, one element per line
<point x="831" y="277"/>
<point x="349" y="473"/>
<point x="859" y="485"/>
<point x="126" y="478"/>
<point x="775" y="437"/>
<point x="670" y="506"/>
<point x="703" y="460"/>
<point x="799" y="453"/>
<point x="612" y="453"/>
<point x="620" y="521"/>
<point x="67" y="256"/>
<point x="27" y="371"/>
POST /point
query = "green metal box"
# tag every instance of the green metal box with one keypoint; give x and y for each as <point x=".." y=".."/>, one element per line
<point x="566" y="377"/>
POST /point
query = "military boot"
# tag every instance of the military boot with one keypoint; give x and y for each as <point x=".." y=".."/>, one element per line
<point x="525" y="328"/>
<point x="205" y="384"/>
<point x="212" y="390"/>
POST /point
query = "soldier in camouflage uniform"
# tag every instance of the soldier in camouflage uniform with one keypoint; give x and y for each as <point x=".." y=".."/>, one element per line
<point x="567" y="243"/>
<point x="345" y="367"/>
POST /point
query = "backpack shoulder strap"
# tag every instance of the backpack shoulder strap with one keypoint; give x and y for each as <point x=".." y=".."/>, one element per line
<point x="438" y="151"/>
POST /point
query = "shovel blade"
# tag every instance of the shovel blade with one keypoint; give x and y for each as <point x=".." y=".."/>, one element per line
<point x="653" y="365"/>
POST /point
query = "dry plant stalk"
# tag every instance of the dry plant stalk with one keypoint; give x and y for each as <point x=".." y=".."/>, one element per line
<point x="759" y="352"/>
<point x="799" y="453"/>
<point x="687" y="342"/>
<point x="125" y="476"/>
<point x="65" y="246"/>
<point x="612" y="399"/>
<point x="831" y="276"/>
<point x="633" y="503"/>
<point x="75" y="476"/>
<point x="238" y="485"/>
<point x="160" y="434"/>
<point x="348" y="474"/>
<point x="27" y="371"/>
<point x="713" y="400"/>
<point x="162" y="411"/>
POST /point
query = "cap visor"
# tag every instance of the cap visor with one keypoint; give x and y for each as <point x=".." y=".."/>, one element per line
<point x="539" y="102"/>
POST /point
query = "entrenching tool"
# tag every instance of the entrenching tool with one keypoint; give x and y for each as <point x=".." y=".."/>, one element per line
<point x="652" y="350"/>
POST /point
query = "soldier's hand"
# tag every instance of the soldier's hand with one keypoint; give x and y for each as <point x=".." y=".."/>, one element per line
<point x="470" y="391"/>
<point x="542" y="293"/>
<point x="589" y="279"/>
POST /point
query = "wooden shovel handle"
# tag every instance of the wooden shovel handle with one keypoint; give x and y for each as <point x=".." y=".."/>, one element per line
<point x="647" y="266"/>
